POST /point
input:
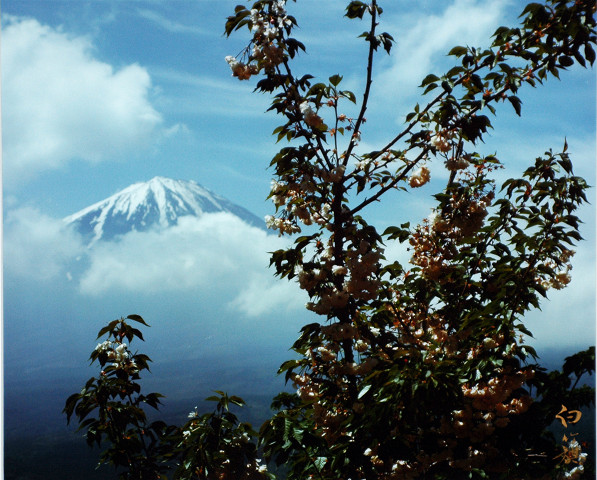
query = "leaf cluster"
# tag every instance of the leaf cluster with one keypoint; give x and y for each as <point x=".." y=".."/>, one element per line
<point x="110" y="409"/>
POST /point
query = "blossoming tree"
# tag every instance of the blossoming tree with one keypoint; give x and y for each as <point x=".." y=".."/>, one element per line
<point x="414" y="370"/>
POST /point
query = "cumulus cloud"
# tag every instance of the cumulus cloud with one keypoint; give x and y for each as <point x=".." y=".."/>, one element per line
<point x="37" y="246"/>
<point x="61" y="103"/>
<point x="216" y="258"/>
<point x="216" y="255"/>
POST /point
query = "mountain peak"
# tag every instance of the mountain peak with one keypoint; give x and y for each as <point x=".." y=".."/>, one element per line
<point x="157" y="203"/>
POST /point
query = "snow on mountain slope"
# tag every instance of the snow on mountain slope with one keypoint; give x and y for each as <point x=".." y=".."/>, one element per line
<point x="160" y="202"/>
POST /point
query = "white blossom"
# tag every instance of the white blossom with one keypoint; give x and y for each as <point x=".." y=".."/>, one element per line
<point x="193" y="413"/>
<point x="339" y="270"/>
<point x="420" y="177"/>
<point x="310" y="117"/>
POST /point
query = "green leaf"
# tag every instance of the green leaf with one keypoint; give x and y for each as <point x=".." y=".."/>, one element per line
<point x="335" y="80"/>
<point x="288" y="365"/>
<point x="237" y="400"/>
<point x="566" y="61"/>
<point x="580" y="363"/>
<point x="502" y="32"/>
<point x="446" y="86"/>
<point x="411" y="115"/>
<point x="589" y="53"/>
<point x="387" y="41"/>
<point x="108" y="328"/>
<point x="137" y="318"/>
<point x="142" y="361"/>
<point x="137" y="333"/>
<point x="70" y="405"/>
<point x="579" y="58"/>
<point x="356" y="9"/>
<point x="364" y="391"/>
<point x="294" y="46"/>
<point x="349" y="95"/>
<point x="429" y="88"/>
<point x="531" y="8"/>
<point x="401" y="233"/>
<point x="516" y="103"/>
<point x="458" y="51"/>
<point x="429" y="79"/>
<point x="454" y="72"/>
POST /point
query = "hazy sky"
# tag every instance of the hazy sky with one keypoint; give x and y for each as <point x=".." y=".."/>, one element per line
<point x="98" y="95"/>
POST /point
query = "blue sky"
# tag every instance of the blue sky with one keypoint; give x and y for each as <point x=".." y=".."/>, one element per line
<point x="98" y="95"/>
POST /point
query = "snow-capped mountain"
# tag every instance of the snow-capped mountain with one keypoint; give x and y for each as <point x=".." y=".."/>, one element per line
<point x="158" y="203"/>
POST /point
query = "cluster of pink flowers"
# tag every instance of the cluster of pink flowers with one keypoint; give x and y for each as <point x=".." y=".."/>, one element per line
<point x="328" y="364"/>
<point x="561" y="267"/>
<point x="420" y="177"/>
<point x="470" y="213"/>
<point x="441" y="141"/>
<point x="268" y="44"/>
<point x="283" y="225"/>
<point x="458" y="163"/>
<point x="239" y="69"/>
<point x="433" y="242"/>
<point x="299" y="205"/>
<point x="309" y="116"/>
<point x="358" y="274"/>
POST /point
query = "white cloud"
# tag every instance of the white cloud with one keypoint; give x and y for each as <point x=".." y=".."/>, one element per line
<point x="216" y="255"/>
<point x="170" y="25"/>
<point x="262" y="296"/>
<point x="37" y="246"/>
<point x="216" y="259"/>
<point x="190" y="93"/>
<point x="423" y="41"/>
<point x="60" y="103"/>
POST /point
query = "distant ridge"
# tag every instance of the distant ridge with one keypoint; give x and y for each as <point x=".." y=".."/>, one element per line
<point x="160" y="202"/>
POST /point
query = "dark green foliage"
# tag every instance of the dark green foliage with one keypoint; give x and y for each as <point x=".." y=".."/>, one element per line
<point x="209" y="446"/>
<point x="414" y="370"/>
